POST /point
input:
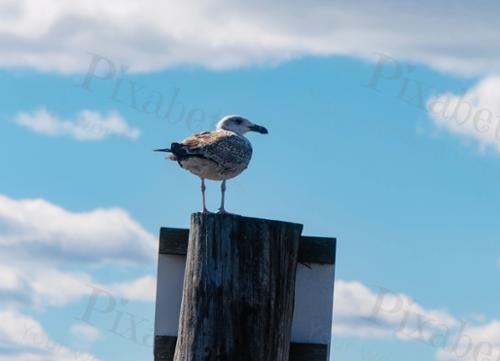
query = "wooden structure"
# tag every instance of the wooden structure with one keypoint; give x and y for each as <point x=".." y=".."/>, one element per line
<point x="239" y="288"/>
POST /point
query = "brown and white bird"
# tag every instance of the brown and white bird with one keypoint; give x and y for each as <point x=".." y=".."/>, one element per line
<point x="219" y="155"/>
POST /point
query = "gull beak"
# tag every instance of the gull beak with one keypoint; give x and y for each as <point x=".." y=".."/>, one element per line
<point x="162" y="150"/>
<point x="258" y="129"/>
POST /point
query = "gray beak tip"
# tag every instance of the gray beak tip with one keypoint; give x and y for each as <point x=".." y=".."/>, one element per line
<point x="259" y="129"/>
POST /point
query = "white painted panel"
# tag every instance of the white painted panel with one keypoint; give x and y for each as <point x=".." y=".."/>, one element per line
<point x="169" y="294"/>
<point x="312" y="317"/>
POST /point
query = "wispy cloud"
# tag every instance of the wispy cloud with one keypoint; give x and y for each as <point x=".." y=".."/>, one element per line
<point x="41" y="287"/>
<point x="362" y="312"/>
<point x="40" y="244"/>
<point x="85" y="333"/>
<point x="59" y="235"/>
<point x="382" y="314"/>
<point x="39" y="240"/>
<point x="475" y="343"/>
<point x="473" y="115"/>
<point x="23" y="338"/>
<point x="87" y="126"/>
<point x="152" y="35"/>
<point x="140" y="289"/>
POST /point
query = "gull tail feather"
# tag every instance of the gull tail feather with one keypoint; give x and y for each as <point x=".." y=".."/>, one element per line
<point x="176" y="149"/>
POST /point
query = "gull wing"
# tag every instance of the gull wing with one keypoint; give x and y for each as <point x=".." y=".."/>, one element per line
<point x="224" y="148"/>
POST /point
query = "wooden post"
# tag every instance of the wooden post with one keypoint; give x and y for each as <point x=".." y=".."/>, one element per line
<point x="239" y="288"/>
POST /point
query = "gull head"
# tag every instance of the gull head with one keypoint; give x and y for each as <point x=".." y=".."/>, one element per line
<point x="239" y="125"/>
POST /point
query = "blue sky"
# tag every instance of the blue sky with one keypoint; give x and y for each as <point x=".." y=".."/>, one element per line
<point x="411" y="191"/>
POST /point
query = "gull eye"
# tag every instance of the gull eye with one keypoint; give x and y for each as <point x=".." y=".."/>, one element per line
<point x="238" y="121"/>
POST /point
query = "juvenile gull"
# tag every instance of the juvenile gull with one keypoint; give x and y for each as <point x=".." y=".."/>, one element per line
<point x="219" y="155"/>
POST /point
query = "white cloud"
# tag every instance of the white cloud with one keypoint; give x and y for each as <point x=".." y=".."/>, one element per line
<point x="88" y="125"/>
<point x="84" y="332"/>
<point x="40" y="286"/>
<point x="474" y="343"/>
<point x="52" y="287"/>
<point x="361" y="312"/>
<point x="55" y="35"/>
<point x="23" y="339"/>
<point x="35" y="226"/>
<point x="141" y="289"/>
<point x="474" y="115"/>
<point x="9" y="279"/>
<point x="39" y="241"/>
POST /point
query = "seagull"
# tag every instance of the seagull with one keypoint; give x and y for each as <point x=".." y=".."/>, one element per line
<point x="218" y="155"/>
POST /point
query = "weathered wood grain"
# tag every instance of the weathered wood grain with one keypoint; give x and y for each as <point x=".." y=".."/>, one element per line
<point x="319" y="250"/>
<point x="239" y="289"/>
<point x="165" y="347"/>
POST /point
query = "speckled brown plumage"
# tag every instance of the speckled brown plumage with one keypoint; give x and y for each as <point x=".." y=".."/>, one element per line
<point x="214" y="155"/>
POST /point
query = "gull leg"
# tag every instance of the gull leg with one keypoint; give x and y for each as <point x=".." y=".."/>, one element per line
<point x="204" y="209"/>
<point x="223" y="192"/>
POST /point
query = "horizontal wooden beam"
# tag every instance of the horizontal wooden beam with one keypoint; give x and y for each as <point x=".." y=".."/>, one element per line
<point x="311" y="249"/>
<point x="165" y="348"/>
